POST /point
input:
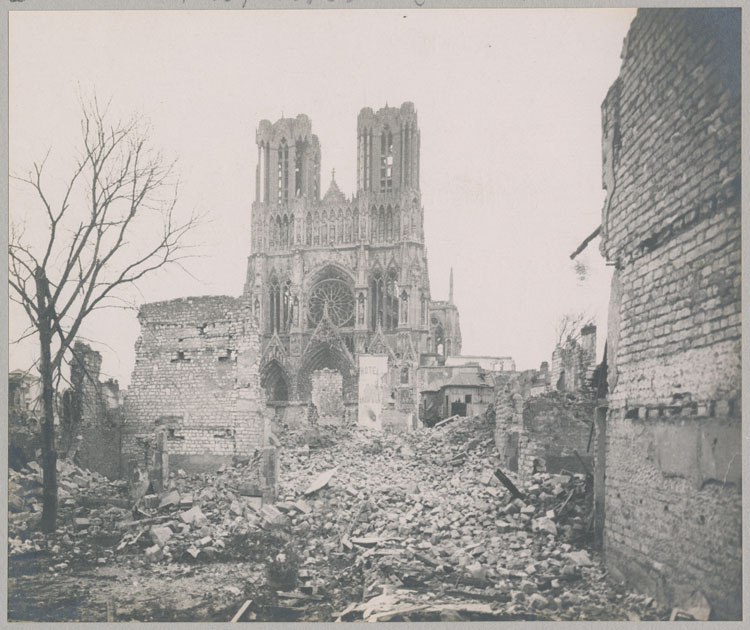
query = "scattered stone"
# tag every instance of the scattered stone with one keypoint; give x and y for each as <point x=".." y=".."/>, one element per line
<point x="537" y="601"/>
<point x="321" y="481"/>
<point x="545" y="524"/>
<point x="581" y="558"/>
<point x="171" y="497"/>
<point x="194" y="516"/>
<point x="160" y="534"/>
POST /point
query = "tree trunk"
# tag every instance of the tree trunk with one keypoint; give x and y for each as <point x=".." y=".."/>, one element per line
<point x="49" y="456"/>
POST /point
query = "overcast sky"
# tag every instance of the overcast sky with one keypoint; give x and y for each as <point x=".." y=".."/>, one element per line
<point x="509" y="110"/>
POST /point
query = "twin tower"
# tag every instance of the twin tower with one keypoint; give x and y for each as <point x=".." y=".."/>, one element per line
<point x="289" y="155"/>
<point x="332" y="277"/>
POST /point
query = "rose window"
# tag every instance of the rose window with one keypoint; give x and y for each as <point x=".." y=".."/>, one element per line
<point x="336" y="296"/>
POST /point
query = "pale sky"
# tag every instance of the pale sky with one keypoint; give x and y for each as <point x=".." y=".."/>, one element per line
<point x="509" y="111"/>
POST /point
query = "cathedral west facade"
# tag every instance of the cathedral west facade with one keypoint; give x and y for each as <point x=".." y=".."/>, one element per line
<point x="332" y="277"/>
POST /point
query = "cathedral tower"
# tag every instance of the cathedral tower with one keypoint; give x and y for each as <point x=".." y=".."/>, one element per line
<point x="332" y="277"/>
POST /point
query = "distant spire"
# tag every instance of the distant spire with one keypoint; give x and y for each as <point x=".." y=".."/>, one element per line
<point x="333" y="174"/>
<point x="450" y="289"/>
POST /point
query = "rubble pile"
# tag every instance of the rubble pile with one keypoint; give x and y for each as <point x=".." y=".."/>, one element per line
<point x="420" y="526"/>
<point x="89" y="507"/>
<point x="97" y="521"/>
<point x="421" y="523"/>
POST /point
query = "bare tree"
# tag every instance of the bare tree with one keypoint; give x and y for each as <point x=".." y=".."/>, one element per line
<point x="112" y="223"/>
<point x="569" y="327"/>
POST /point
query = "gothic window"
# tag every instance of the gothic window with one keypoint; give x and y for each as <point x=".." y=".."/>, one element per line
<point x="376" y="298"/>
<point x="404" y="307"/>
<point x="308" y="229"/>
<point x="389" y="225"/>
<point x="381" y="225"/>
<point x="368" y="160"/>
<point x="332" y="293"/>
<point x="391" y="300"/>
<point x="340" y="232"/>
<point x="287" y="305"/>
<point x="332" y="232"/>
<point x="256" y="308"/>
<point x="262" y="166"/>
<point x="283" y="173"/>
<point x="417" y="173"/>
<point x="384" y="299"/>
<point x="360" y="162"/>
<point x="348" y="226"/>
<point x="355" y="225"/>
<point x="423" y="311"/>
<point x="407" y="154"/>
<point x="397" y="224"/>
<point x="285" y="233"/>
<point x="386" y="161"/>
<point x="316" y="229"/>
<point x="298" y="153"/>
<point x="266" y="173"/>
<point x="404" y="375"/>
<point x="373" y="224"/>
<point x="361" y="309"/>
<point x="275" y="306"/>
<point x="295" y="311"/>
<point x="389" y="165"/>
<point x="439" y="340"/>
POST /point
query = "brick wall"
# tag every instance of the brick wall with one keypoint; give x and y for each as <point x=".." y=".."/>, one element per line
<point x="542" y="433"/>
<point x="554" y="427"/>
<point x="196" y="379"/>
<point x="671" y="226"/>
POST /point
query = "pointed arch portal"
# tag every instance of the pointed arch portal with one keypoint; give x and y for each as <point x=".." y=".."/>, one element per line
<point x="324" y="355"/>
<point x="275" y="381"/>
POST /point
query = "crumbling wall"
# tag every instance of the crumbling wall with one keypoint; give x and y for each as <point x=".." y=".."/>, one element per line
<point x="555" y="434"/>
<point x="542" y="433"/>
<point x="196" y="381"/>
<point x="327" y="395"/>
<point x="90" y="427"/>
<point x="574" y="361"/>
<point x="671" y="227"/>
<point x="508" y="419"/>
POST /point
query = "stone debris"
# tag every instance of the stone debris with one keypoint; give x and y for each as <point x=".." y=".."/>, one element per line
<point x="321" y="481"/>
<point x="402" y="530"/>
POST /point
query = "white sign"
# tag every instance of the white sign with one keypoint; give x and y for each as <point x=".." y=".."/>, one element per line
<point x="373" y="376"/>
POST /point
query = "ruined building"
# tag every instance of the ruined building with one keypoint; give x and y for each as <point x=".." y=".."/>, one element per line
<point x="669" y="447"/>
<point x="90" y="416"/>
<point x="330" y="280"/>
<point x="574" y="361"/>
<point x="195" y="391"/>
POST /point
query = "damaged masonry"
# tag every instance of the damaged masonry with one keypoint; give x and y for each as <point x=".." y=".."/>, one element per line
<point x="318" y="448"/>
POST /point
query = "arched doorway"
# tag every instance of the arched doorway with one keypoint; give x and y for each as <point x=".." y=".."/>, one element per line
<point x="320" y="356"/>
<point x="275" y="381"/>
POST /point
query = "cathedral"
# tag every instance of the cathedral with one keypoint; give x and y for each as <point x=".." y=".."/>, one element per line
<point x="331" y="278"/>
